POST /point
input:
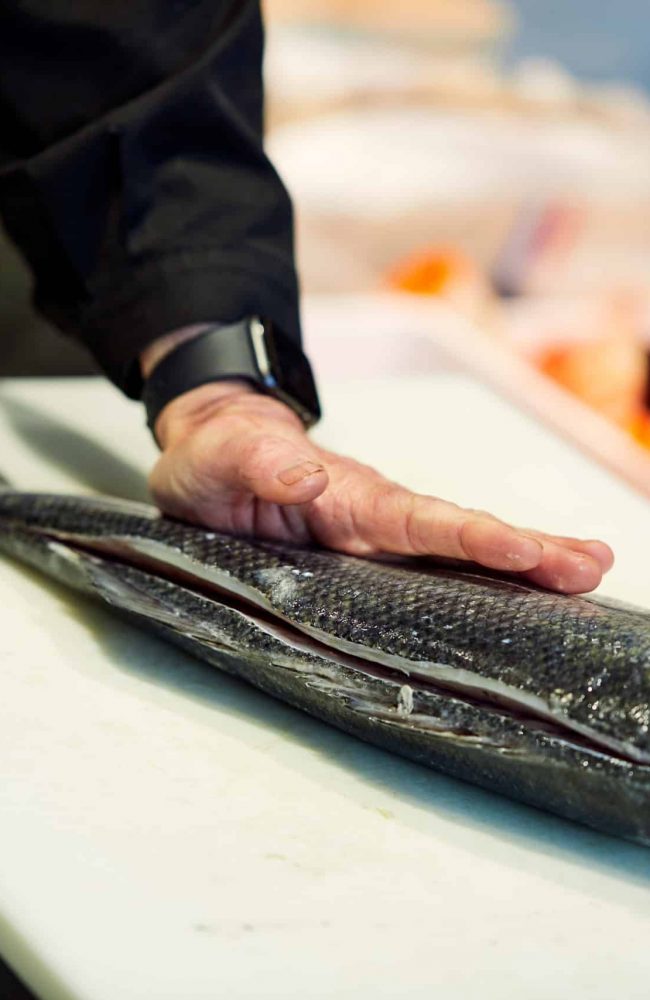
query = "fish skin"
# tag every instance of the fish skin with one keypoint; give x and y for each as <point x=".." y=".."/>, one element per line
<point x="589" y="662"/>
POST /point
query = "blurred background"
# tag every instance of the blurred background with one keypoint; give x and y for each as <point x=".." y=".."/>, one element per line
<point x="491" y="154"/>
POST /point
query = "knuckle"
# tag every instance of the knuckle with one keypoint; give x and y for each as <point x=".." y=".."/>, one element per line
<point x="417" y="528"/>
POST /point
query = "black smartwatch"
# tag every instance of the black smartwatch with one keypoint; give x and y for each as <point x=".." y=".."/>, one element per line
<point x="252" y="349"/>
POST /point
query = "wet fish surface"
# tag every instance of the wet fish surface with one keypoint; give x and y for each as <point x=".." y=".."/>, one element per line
<point x="541" y="697"/>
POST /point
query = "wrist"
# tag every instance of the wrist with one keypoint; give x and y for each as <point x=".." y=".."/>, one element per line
<point x="216" y="401"/>
<point x="187" y="383"/>
<point x="154" y="353"/>
<point x="195" y="405"/>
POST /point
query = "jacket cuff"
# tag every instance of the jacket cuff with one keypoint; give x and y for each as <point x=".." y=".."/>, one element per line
<point x="198" y="287"/>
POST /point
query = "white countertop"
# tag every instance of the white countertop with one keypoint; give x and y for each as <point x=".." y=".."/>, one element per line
<point x="171" y="834"/>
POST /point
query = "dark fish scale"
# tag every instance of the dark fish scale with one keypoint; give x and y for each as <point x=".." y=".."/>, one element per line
<point x="561" y="650"/>
<point x="542" y="643"/>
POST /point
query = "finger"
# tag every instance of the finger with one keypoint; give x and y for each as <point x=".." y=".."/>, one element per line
<point x="598" y="550"/>
<point x="594" y="548"/>
<point x="391" y="519"/>
<point x="566" y="570"/>
<point x="497" y="545"/>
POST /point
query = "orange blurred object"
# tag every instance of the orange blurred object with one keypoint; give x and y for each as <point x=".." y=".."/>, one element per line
<point x="432" y="271"/>
<point x="449" y="274"/>
<point x="602" y="361"/>
<point x="608" y="373"/>
<point x="640" y="427"/>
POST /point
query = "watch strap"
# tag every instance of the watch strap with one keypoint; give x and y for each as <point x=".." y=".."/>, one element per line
<point x="249" y="350"/>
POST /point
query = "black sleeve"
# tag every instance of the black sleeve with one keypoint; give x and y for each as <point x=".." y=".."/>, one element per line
<point x="132" y="171"/>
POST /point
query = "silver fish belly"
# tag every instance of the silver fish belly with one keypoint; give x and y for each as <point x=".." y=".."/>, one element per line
<point x="535" y="695"/>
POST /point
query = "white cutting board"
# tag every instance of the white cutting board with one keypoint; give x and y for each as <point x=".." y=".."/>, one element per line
<point x="170" y="834"/>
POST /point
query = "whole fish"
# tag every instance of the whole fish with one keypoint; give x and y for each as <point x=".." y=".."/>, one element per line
<point x="541" y="697"/>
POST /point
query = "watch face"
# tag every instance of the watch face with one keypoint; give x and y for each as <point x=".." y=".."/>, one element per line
<point x="291" y="373"/>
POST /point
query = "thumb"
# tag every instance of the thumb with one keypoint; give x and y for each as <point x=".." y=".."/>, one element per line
<point x="213" y="467"/>
<point x="279" y="468"/>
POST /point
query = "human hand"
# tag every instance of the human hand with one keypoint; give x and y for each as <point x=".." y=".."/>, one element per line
<point x="241" y="462"/>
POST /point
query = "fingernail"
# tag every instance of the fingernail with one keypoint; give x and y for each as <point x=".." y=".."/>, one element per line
<point x="602" y="553"/>
<point x="298" y="472"/>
